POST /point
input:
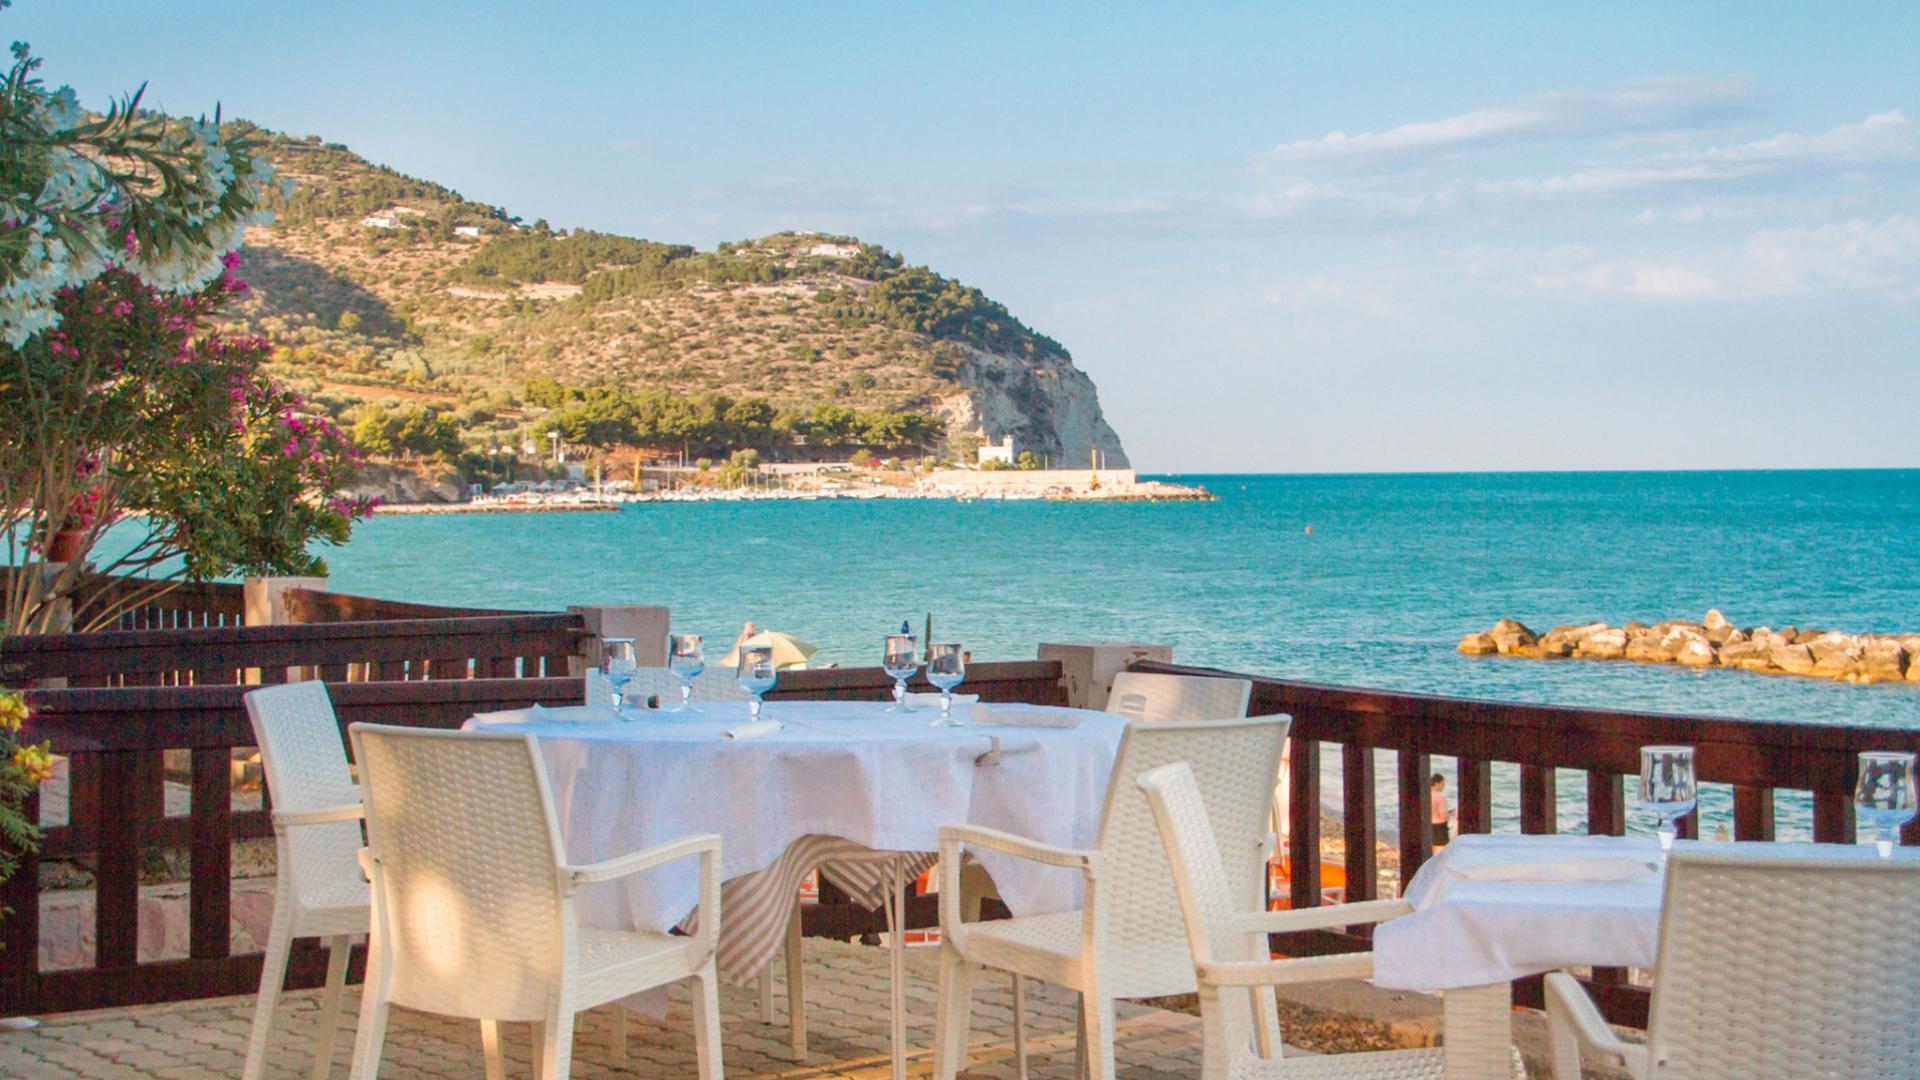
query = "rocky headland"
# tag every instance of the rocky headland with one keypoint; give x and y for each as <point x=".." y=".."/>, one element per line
<point x="1714" y="642"/>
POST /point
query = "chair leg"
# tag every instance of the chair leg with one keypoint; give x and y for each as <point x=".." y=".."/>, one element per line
<point x="371" y="1036"/>
<point x="1097" y="1022"/>
<point x="273" y="974"/>
<point x="1080" y="1039"/>
<point x="490" y="1049"/>
<point x="553" y="1046"/>
<point x="955" y="1011"/>
<point x="764" y="990"/>
<point x="1020" y="1027"/>
<point x="897" y="967"/>
<point x="618" y="1035"/>
<point x="796" y="990"/>
<point x="706" y="1022"/>
<point x="338" y="949"/>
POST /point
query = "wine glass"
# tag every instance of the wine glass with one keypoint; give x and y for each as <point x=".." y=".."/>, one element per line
<point x="755" y="674"/>
<point x="1884" y="799"/>
<point x="1667" y="787"/>
<point x="900" y="662"/>
<point x="622" y="664"/>
<point x="946" y="669"/>
<point x="686" y="661"/>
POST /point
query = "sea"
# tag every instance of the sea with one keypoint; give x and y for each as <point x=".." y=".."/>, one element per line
<point x="1364" y="580"/>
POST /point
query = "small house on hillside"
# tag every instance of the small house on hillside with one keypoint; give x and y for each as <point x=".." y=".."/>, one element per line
<point x="383" y="220"/>
<point x="472" y="232"/>
<point x="1002" y="452"/>
<point x="834" y="251"/>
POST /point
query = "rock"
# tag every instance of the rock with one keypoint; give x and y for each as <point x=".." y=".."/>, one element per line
<point x="1913" y="670"/>
<point x="1607" y="644"/>
<point x="1911" y="643"/>
<point x="1884" y="660"/>
<point x="1828" y="644"/>
<point x="1696" y="653"/>
<point x="1511" y="636"/>
<point x="1749" y="655"/>
<point x="1647" y="649"/>
<point x="1480" y="644"/>
<point x="1561" y="640"/>
<point x="1633" y="628"/>
<point x="1837" y="665"/>
<point x="1736" y="637"/>
<point x="1715" y="621"/>
<point x="1792" y="659"/>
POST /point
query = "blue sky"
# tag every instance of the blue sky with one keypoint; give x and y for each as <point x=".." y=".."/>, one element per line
<point x="1280" y="237"/>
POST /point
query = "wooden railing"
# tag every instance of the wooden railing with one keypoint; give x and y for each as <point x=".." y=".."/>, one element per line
<point x="117" y="735"/>
<point x="147" y="604"/>
<point x="1756" y="758"/>
<point x="317" y="606"/>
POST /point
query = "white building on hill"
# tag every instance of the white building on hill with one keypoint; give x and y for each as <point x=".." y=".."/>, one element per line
<point x="1002" y="453"/>
<point x="835" y="251"/>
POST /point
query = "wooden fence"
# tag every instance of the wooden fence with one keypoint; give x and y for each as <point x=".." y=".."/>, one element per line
<point x="1756" y="758"/>
<point x="118" y="735"/>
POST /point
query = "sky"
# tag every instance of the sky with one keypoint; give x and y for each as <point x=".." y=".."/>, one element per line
<point x="1279" y="237"/>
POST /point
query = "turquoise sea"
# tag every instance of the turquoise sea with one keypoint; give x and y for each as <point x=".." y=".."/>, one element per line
<point x="1395" y="569"/>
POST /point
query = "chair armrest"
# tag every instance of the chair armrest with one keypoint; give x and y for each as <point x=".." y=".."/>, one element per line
<point x="349" y="812"/>
<point x="1306" y="969"/>
<point x="634" y="862"/>
<point x="952" y="836"/>
<point x="1320" y="917"/>
<point x="1576" y="1024"/>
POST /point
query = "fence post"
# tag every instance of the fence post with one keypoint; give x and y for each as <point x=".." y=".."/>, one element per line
<point x="647" y="626"/>
<point x="264" y="603"/>
<point x="1087" y="670"/>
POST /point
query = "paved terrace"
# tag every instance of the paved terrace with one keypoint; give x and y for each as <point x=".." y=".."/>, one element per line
<point x="847" y="1034"/>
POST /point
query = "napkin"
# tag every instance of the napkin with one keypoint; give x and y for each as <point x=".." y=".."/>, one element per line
<point x="1022" y="716"/>
<point x="753" y="729"/>
<point x="918" y="700"/>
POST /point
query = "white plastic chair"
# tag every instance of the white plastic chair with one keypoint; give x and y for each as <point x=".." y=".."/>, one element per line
<point x="1150" y="697"/>
<point x="1125" y="942"/>
<point x="319" y="890"/>
<point x="473" y="901"/>
<point x="1771" y="965"/>
<point x="1227" y="943"/>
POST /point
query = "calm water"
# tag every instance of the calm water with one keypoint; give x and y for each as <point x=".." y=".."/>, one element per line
<point x="1395" y="570"/>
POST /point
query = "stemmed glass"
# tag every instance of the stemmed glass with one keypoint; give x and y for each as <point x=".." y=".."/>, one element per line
<point x="946" y="669"/>
<point x="622" y="664"/>
<point x="755" y="674"/>
<point x="1884" y="799"/>
<point x="1667" y="787"/>
<point x="686" y="661"/>
<point x="900" y="662"/>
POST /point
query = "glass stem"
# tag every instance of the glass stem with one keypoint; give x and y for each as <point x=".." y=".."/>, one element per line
<point x="899" y="691"/>
<point x="686" y="695"/>
<point x="1884" y="845"/>
<point x="946" y="706"/>
<point x="1667" y="835"/>
<point x="753" y="707"/>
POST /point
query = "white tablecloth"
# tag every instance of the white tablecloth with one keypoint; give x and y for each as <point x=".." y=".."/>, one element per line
<point x="885" y="781"/>
<point x="1469" y="931"/>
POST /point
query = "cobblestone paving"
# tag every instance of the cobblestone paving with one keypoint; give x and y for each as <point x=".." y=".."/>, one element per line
<point x="846" y="1020"/>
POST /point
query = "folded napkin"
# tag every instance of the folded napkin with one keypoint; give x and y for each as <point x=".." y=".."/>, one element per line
<point x="1022" y="716"/>
<point x="924" y="700"/>
<point x="753" y="729"/>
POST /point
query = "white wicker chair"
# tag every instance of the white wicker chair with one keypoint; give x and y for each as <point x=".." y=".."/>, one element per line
<point x="473" y="901"/>
<point x="1770" y="966"/>
<point x="1139" y="695"/>
<point x="1125" y="942"/>
<point x="318" y="888"/>
<point x="1228" y="950"/>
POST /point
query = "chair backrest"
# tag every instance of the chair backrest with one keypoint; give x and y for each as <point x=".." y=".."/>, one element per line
<point x="1207" y="896"/>
<point x="1773" y="965"/>
<point x="1234" y="762"/>
<point x="1139" y="695"/>
<point x="305" y="761"/>
<point x="466" y="855"/>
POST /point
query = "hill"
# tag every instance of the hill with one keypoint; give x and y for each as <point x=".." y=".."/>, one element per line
<point x="388" y="292"/>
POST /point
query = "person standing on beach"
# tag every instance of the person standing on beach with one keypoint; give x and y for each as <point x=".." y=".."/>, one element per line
<point x="746" y="632"/>
<point x="1440" y="817"/>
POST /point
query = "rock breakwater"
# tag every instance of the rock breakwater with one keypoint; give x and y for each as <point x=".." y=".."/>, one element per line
<point x="1714" y="642"/>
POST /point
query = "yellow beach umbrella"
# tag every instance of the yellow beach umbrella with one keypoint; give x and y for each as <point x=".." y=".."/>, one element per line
<point x="788" y="651"/>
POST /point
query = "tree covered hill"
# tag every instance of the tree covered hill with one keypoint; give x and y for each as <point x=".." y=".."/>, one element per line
<point x="385" y="290"/>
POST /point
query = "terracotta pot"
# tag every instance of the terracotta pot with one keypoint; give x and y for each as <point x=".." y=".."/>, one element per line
<point x="67" y="546"/>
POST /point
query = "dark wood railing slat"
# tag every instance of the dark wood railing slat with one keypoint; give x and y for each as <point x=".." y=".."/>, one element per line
<point x="1415" y="770"/>
<point x="1303" y="824"/>
<point x="116" y="874"/>
<point x="1752" y="812"/>
<point x="1476" y="795"/>
<point x="1539" y="799"/>
<point x="1606" y="803"/>
<point x="210" y="907"/>
<point x="1359" y="817"/>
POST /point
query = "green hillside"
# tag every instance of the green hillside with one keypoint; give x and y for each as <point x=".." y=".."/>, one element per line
<point x="382" y="289"/>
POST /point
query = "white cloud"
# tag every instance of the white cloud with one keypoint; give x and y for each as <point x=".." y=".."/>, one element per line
<point x="1637" y="106"/>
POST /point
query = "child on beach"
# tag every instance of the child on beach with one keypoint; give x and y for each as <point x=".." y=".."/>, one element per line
<point x="1440" y="818"/>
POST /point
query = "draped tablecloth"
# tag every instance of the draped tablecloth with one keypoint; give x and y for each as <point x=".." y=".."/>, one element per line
<point x="849" y="778"/>
<point x="1494" y="908"/>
